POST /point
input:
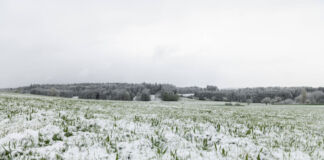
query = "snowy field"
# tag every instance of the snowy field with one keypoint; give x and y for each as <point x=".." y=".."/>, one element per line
<point x="35" y="127"/>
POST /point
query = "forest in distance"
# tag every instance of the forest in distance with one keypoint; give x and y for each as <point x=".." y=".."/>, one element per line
<point x="169" y="92"/>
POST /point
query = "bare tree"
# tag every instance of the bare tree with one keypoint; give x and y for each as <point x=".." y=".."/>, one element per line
<point x="266" y="100"/>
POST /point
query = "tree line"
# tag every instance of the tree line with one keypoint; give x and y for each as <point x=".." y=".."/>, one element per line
<point x="104" y="91"/>
<point x="267" y="95"/>
<point x="169" y="92"/>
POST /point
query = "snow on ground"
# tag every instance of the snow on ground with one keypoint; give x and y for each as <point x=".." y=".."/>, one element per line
<point x="37" y="127"/>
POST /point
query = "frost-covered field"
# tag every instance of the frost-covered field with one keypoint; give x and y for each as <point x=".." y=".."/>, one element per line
<point x="34" y="127"/>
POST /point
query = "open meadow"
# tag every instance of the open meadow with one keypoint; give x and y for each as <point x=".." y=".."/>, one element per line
<point x="39" y="127"/>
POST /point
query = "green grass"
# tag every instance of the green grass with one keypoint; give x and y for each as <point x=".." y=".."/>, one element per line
<point x="33" y="126"/>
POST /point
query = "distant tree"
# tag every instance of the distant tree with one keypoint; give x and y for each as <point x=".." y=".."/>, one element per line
<point x="126" y="91"/>
<point x="169" y="93"/>
<point x="249" y="101"/>
<point x="266" y="100"/>
<point x="66" y="93"/>
<point x="211" y="88"/>
<point x="303" y="96"/>
<point x="276" y="100"/>
<point x="298" y="99"/>
<point x="169" y="96"/>
<point x="188" y="90"/>
<point x="287" y="101"/>
<point x="121" y="94"/>
<point x="228" y="104"/>
<point x="144" y="95"/>
<point x="53" y="92"/>
<point x="316" y="97"/>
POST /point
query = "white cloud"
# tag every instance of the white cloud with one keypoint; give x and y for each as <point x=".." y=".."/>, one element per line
<point x="226" y="43"/>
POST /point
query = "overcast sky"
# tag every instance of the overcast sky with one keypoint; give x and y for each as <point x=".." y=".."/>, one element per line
<point x="230" y="43"/>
